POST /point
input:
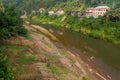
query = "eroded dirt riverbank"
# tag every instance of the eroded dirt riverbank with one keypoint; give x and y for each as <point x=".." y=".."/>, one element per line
<point x="86" y="50"/>
<point x="91" y="65"/>
<point x="46" y="58"/>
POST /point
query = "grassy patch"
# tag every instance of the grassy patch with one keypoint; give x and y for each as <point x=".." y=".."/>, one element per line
<point x="28" y="37"/>
<point x="54" y="69"/>
<point x="36" y="31"/>
<point x="25" y="59"/>
<point x="19" y="69"/>
<point x="50" y="55"/>
<point x="84" y="78"/>
<point x="39" y="72"/>
<point x="12" y="50"/>
<point x="2" y="49"/>
<point x="15" y="47"/>
<point x="58" y="69"/>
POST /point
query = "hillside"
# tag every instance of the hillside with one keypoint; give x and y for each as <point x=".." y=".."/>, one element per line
<point x="32" y="52"/>
<point x="28" y="53"/>
<point x="30" y="5"/>
<point x="37" y="56"/>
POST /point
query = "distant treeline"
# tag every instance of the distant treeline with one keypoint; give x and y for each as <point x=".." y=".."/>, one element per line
<point x="29" y="5"/>
<point x="105" y="27"/>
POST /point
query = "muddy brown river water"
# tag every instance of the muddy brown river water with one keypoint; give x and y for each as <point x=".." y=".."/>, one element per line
<point x="106" y="54"/>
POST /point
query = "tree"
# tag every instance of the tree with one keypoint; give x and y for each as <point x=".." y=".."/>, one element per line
<point x="113" y="15"/>
<point x="11" y="23"/>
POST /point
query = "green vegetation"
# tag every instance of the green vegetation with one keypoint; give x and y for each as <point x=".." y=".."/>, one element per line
<point x="25" y="59"/>
<point x="5" y="72"/>
<point x="105" y="28"/>
<point x="22" y="58"/>
<point x="18" y="60"/>
<point x="29" y="5"/>
<point x="84" y="78"/>
<point x="10" y="23"/>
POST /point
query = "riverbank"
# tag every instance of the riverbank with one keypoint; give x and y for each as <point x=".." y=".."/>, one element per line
<point x="87" y="26"/>
<point x="93" y="65"/>
<point x="98" y="72"/>
<point x="36" y="57"/>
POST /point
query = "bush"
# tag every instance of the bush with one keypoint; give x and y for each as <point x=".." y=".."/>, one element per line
<point x="11" y="25"/>
<point x="5" y="73"/>
<point x="84" y="78"/>
<point x="19" y="30"/>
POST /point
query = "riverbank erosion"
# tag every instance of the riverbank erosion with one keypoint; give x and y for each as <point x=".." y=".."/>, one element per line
<point x="35" y="57"/>
<point x="41" y="56"/>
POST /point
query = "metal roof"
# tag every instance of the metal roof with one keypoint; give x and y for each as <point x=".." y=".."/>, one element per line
<point x="102" y="7"/>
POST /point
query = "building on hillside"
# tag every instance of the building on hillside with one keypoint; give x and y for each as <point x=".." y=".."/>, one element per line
<point x="41" y="10"/>
<point x="76" y="13"/>
<point x="33" y="12"/>
<point x="23" y="17"/>
<point x="51" y="13"/>
<point x="90" y="12"/>
<point x="97" y="11"/>
<point x="60" y="12"/>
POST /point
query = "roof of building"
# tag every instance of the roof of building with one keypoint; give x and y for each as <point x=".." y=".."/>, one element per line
<point x="102" y="7"/>
<point x="60" y="11"/>
<point x="41" y="9"/>
<point x="90" y="9"/>
<point x="75" y="10"/>
<point x="51" y="12"/>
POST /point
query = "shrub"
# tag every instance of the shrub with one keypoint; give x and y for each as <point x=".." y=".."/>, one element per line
<point x="11" y="25"/>
<point x="5" y="73"/>
<point x="84" y="78"/>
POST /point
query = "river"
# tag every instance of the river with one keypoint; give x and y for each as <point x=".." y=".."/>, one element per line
<point x="107" y="54"/>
